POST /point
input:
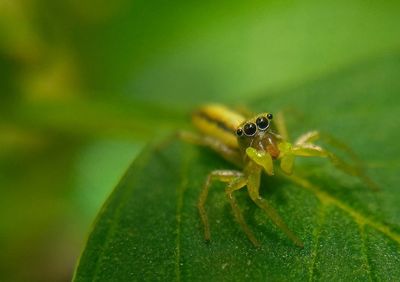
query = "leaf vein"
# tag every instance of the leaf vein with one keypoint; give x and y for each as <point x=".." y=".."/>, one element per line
<point x="317" y="233"/>
<point x="357" y="216"/>
<point x="364" y="252"/>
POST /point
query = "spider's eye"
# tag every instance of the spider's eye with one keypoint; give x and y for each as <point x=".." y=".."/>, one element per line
<point x="262" y="123"/>
<point x="239" y="132"/>
<point x="250" y="129"/>
<point x="270" y="116"/>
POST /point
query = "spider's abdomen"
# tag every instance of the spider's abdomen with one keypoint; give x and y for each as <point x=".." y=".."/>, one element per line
<point x="219" y="122"/>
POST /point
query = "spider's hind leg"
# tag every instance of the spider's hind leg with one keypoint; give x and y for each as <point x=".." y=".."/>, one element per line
<point x="230" y="154"/>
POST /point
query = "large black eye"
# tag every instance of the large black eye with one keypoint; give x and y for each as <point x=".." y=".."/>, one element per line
<point x="239" y="132"/>
<point x="262" y="123"/>
<point x="250" y="129"/>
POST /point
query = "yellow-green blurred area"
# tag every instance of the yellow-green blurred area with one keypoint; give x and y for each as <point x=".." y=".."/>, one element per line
<point x="84" y="85"/>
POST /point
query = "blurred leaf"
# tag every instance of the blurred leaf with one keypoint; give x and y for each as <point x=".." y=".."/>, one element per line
<point x="99" y="167"/>
<point x="149" y="227"/>
<point x="82" y="118"/>
<point x="162" y="51"/>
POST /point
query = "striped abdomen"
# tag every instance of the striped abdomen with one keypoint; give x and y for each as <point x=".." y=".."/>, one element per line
<point x="219" y="122"/>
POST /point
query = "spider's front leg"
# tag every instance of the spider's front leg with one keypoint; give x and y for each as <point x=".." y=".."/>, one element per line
<point x="253" y="172"/>
<point x="304" y="147"/>
<point x="220" y="175"/>
<point x="236" y="180"/>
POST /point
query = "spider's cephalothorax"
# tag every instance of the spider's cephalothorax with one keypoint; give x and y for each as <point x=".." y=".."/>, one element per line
<point x="256" y="132"/>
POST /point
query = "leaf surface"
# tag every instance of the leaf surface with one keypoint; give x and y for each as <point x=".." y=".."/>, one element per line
<point x="149" y="227"/>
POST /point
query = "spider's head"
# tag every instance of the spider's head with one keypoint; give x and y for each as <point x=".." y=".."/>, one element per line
<point x="254" y="131"/>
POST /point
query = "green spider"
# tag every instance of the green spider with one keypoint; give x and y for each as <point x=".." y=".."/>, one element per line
<point x="252" y="146"/>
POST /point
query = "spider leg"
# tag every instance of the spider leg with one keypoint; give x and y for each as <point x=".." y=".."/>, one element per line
<point x="230" y="154"/>
<point x="237" y="184"/>
<point x="228" y="176"/>
<point x="280" y="124"/>
<point x="304" y="147"/>
<point x="308" y="137"/>
<point x="253" y="185"/>
<point x="358" y="169"/>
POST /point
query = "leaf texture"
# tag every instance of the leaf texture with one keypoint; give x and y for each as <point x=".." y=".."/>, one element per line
<point x="149" y="228"/>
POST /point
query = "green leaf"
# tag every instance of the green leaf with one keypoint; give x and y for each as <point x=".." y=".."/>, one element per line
<point x="149" y="228"/>
<point x="222" y="50"/>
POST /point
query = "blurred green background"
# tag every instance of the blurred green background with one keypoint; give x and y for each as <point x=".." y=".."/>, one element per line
<point x="85" y="85"/>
